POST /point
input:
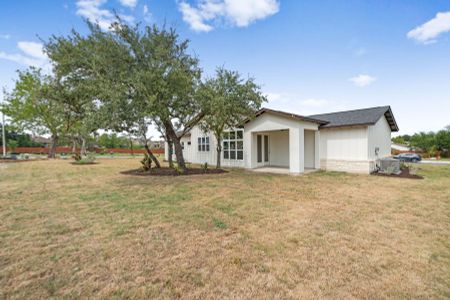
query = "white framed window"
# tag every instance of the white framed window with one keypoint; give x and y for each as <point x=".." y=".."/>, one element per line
<point x="233" y="144"/>
<point x="203" y="144"/>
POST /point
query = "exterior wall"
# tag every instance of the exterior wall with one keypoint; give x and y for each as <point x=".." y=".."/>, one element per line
<point x="352" y="149"/>
<point x="344" y="149"/>
<point x="352" y="166"/>
<point x="192" y="155"/>
<point x="279" y="148"/>
<point x="379" y="136"/>
<point x="309" y="149"/>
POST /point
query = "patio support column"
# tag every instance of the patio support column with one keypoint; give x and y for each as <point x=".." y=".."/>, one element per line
<point x="248" y="149"/>
<point x="296" y="150"/>
<point x="317" y="149"/>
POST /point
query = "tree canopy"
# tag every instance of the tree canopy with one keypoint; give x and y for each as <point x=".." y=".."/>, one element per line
<point x="141" y="76"/>
<point x="33" y="105"/>
<point x="227" y="100"/>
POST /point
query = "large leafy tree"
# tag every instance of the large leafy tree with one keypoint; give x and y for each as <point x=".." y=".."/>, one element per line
<point x="141" y="76"/>
<point x="32" y="105"/>
<point x="423" y="140"/>
<point x="443" y="140"/>
<point x="227" y="99"/>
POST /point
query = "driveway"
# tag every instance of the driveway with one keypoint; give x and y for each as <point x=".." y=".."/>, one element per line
<point x="436" y="162"/>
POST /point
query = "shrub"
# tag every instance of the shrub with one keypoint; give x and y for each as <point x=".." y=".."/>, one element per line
<point x="146" y="162"/>
<point x="12" y="145"/>
<point x="205" y="167"/>
<point x="413" y="169"/>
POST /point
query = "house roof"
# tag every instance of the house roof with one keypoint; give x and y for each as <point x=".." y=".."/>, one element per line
<point x="365" y="116"/>
<point x="286" y="114"/>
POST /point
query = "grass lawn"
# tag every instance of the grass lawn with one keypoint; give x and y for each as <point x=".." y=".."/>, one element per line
<point x="89" y="231"/>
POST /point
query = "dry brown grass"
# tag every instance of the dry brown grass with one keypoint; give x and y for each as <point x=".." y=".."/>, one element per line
<point x="89" y="231"/>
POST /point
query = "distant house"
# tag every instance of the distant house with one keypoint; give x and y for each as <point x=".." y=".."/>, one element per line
<point x="400" y="147"/>
<point x="46" y="142"/>
<point x="349" y="141"/>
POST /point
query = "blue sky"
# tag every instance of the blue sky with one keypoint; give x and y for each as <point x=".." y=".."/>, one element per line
<point x="309" y="56"/>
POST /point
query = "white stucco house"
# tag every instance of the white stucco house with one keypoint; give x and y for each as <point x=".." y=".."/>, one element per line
<point x="350" y="141"/>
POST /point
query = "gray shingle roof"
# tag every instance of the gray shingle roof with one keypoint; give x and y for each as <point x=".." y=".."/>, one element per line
<point x="365" y="116"/>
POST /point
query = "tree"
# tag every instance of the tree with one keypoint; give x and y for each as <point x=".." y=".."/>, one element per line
<point x="227" y="100"/>
<point x="141" y="76"/>
<point x="443" y="140"/>
<point x="32" y="105"/>
<point x="423" y="141"/>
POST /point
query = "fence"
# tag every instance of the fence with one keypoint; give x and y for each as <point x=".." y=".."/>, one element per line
<point x="66" y="150"/>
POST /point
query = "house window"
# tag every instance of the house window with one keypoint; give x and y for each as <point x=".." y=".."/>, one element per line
<point x="182" y="145"/>
<point x="233" y="145"/>
<point x="203" y="144"/>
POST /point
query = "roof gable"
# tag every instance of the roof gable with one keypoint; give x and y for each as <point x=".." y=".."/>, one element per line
<point x="286" y="115"/>
<point x="366" y="116"/>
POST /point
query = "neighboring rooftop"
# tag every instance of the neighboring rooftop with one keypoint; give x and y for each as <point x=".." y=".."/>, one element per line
<point x="365" y="116"/>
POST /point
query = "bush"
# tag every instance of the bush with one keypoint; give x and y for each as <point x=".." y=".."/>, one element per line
<point x="146" y="162"/>
<point x="12" y="145"/>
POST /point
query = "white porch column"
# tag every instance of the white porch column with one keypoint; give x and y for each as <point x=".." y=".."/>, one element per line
<point x="248" y="149"/>
<point x="166" y="151"/>
<point x="317" y="149"/>
<point x="296" y="150"/>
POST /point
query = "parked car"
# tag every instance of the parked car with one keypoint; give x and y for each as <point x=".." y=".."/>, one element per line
<point x="409" y="157"/>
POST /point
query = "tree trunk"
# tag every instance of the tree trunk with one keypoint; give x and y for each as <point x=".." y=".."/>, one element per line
<point x="52" y="153"/>
<point x="170" y="151"/>
<point x="74" y="146"/>
<point x="83" y="146"/>
<point x="152" y="156"/>
<point x="176" y="141"/>
<point x="219" y="151"/>
<point x="131" y="147"/>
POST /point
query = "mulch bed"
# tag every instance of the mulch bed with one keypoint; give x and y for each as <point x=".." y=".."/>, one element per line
<point x="20" y="160"/>
<point x="404" y="174"/>
<point x="84" y="164"/>
<point x="173" y="172"/>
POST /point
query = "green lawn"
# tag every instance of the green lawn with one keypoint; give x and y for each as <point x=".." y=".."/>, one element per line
<point x="88" y="231"/>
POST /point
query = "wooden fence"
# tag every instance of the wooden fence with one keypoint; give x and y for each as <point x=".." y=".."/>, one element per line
<point x="67" y="150"/>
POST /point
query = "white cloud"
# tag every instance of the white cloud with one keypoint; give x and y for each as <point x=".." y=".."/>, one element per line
<point x="147" y="14"/>
<point x="429" y="31"/>
<point x="363" y="80"/>
<point x="309" y="106"/>
<point x="271" y="97"/>
<point x="32" y="49"/>
<point x="210" y="13"/>
<point x="312" y="102"/>
<point x="129" y="3"/>
<point x="91" y="10"/>
<point x="32" y="55"/>
<point x="5" y="36"/>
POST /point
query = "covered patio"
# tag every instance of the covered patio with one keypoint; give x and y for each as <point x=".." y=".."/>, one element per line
<point x="282" y="143"/>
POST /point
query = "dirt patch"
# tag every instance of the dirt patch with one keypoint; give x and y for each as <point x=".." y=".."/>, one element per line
<point x="172" y="172"/>
<point x="404" y="174"/>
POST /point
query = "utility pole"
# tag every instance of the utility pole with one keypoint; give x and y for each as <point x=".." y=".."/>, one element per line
<point x="3" y="133"/>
